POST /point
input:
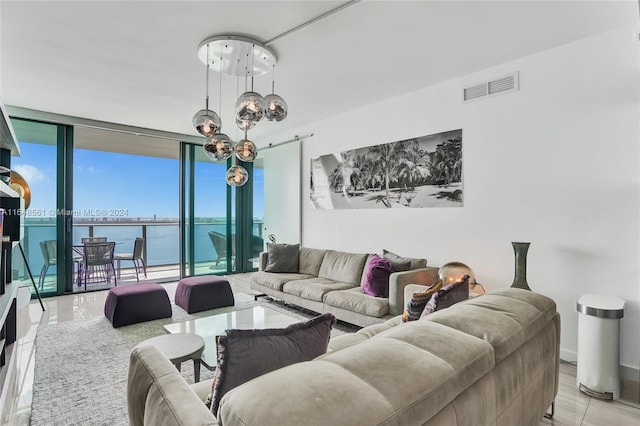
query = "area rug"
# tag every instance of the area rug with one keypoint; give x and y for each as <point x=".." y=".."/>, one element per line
<point x="81" y="366"/>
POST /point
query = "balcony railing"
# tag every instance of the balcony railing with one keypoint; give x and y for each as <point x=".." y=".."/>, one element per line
<point x="161" y="240"/>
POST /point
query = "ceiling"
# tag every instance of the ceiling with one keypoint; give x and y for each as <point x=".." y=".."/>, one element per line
<point x="135" y="62"/>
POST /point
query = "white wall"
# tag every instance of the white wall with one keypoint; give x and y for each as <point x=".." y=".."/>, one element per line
<point x="556" y="164"/>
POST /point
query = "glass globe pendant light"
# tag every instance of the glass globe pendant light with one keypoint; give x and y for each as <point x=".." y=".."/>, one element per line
<point x="276" y="106"/>
<point x="245" y="125"/>
<point x="206" y="122"/>
<point x="237" y="176"/>
<point x="250" y="106"/>
<point x="220" y="146"/>
<point x="246" y="150"/>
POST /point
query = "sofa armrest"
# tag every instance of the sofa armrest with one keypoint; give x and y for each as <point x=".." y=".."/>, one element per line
<point x="158" y="395"/>
<point x="399" y="280"/>
<point x="263" y="259"/>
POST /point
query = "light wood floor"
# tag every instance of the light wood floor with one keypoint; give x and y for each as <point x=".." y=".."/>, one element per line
<point x="572" y="407"/>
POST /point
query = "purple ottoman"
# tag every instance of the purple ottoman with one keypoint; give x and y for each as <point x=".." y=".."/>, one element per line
<point x="136" y="303"/>
<point x="196" y="294"/>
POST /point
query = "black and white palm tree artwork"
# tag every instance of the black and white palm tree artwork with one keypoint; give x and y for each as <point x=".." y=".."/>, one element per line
<point x="413" y="173"/>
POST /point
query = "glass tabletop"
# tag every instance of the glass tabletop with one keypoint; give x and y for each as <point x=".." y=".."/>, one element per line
<point x="208" y="328"/>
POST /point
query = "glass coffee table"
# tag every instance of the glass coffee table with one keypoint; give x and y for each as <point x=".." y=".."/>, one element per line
<point x="208" y="328"/>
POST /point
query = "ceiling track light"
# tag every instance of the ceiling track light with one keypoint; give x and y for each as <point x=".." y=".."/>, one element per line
<point x="250" y="107"/>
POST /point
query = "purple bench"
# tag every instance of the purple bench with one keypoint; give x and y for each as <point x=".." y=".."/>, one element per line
<point x="136" y="303"/>
<point x="196" y="294"/>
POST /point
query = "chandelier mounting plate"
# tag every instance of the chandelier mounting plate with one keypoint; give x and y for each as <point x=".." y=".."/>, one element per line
<point x="236" y="55"/>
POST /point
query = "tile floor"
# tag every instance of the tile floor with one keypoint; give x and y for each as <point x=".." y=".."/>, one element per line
<point x="572" y="407"/>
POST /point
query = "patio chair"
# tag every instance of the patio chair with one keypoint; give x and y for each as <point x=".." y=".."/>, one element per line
<point x="49" y="250"/>
<point x="135" y="257"/>
<point x="257" y="246"/>
<point x="86" y="240"/>
<point x="220" y="244"/>
<point x="98" y="262"/>
<point x="50" y="254"/>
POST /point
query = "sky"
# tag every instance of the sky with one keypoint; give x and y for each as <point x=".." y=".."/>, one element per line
<point x="123" y="185"/>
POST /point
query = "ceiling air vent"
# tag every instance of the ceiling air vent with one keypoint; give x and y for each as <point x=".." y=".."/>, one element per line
<point x="496" y="86"/>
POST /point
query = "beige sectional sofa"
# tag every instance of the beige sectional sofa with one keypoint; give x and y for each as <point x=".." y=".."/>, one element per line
<point x="492" y="360"/>
<point x="331" y="281"/>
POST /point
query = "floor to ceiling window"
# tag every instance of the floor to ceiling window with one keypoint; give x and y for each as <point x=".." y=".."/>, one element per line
<point x="91" y="183"/>
<point x="125" y="187"/>
<point x="40" y="171"/>
<point x="220" y="231"/>
<point x="208" y="226"/>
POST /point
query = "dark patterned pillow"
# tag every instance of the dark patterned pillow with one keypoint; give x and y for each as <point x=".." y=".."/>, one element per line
<point x="447" y="296"/>
<point x="247" y="354"/>
<point x="418" y="302"/>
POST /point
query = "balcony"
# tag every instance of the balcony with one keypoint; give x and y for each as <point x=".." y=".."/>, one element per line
<point x="161" y="249"/>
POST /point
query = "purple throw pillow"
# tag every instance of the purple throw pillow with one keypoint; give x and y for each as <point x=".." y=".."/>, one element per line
<point x="447" y="296"/>
<point x="376" y="281"/>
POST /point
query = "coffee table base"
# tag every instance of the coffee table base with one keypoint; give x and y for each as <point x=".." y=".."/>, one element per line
<point x="179" y="347"/>
<point x="257" y="317"/>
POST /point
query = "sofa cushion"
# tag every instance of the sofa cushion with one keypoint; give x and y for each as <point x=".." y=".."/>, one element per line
<point x="400" y="263"/>
<point x="505" y="318"/>
<point x="314" y="288"/>
<point x="282" y="257"/>
<point x="355" y="300"/>
<point x="418" y="301"/>
<point x="405" y="378"/>
<point x="376" y="275"/>
<point x="310" y="260"/>
<point x="274" y="280"/>
<point x="343" y="267"/>
<point x="246" y="354"/>
<point x="447" y="296"/>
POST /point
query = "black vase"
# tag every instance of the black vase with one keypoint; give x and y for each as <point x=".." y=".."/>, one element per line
<point x="520" y="278"/>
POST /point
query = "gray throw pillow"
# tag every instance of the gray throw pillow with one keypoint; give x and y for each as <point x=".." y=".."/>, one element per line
<point x="247" y="354"/>
<point x="282" y="257"/>
<point x="398" y="263"/>
<point x="414" y="262"/>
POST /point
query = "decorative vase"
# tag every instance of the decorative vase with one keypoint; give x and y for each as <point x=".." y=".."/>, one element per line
<point x="520" y="279"/>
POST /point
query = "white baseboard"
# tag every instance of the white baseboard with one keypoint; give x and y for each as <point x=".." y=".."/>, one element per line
<point x="626" y="372"/>
<point x="569" y="356"/>
<point x="630" y="373"/>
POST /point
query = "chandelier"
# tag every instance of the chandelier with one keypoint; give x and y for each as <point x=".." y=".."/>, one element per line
<point x="240" y="57"/>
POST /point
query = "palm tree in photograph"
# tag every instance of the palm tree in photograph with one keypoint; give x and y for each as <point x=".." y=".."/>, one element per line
<point x="346" y="177"/>
<point x="446" y="162"/>
<point x="413" y="167"/>
<point x="386" y="158"/>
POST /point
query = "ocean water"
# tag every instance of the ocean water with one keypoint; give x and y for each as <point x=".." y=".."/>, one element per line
<point x="163" y="244"/>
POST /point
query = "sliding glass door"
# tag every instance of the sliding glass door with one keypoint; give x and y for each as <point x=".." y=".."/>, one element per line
<point x="125" y="189"/>
<point x="41" y="173"/>
<point x="208" y="225"/>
